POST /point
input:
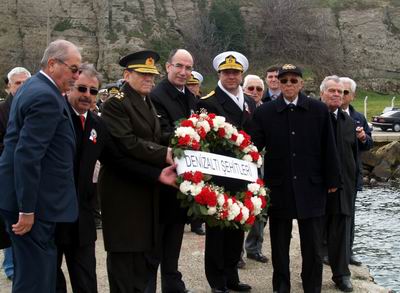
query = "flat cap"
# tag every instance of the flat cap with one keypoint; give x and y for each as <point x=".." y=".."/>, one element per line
<point x="289" y="68"/>
<point x="142" y="61"/>
<point x="230" y="60"/>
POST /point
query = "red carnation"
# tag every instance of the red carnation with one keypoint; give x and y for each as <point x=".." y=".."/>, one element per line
<point x="234" y="137"/>
<point x="194" y="116"/>
<point x="187" y="176"/>
<point x="212" y="115"/>
<point x="248" y="194"/>
<point x="184" y="140"/>
<point x="246" y="136"/>
<point x="187" y="123"/>
<point x="202" y="132"/>
<point x="211" y="198"/>
<point x="249" y="204"/>
<point x="197" y="177"/>
<point x="221" y="132"/>
<point x="245" y="143"/>
<point x="254" y="155"/>
<point x="195" y="145"/>
<point x="251" y="220"/>
<point x="224" y="214"/>
<point x="263" y="201"/>
<point x="260" y="182"/>
<point x="239" y="217"/>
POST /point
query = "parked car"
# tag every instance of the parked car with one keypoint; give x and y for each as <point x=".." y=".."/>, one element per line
<point x="387" y="120"/>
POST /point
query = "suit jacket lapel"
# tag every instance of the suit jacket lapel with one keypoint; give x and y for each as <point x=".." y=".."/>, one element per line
<point x="229" y="106"/>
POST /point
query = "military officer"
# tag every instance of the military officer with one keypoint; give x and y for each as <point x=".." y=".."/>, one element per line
<point x="224" y="246"/>
<point x="194" y="83"/>
<point x="129" y="205"/>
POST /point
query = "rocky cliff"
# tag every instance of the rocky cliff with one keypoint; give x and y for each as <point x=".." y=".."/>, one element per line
<point x="366" y="36"/>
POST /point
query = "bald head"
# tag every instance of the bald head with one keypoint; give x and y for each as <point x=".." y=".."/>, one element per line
<point x="179" y="67"/>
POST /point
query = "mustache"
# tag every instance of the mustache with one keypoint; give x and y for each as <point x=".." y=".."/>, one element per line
<point x="85" y="100"/>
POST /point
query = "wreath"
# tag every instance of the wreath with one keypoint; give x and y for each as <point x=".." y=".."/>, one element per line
<point x="205" y="200"/>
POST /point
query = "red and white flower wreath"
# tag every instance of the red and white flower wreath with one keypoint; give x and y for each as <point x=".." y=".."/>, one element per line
<point x="204" y="132"/>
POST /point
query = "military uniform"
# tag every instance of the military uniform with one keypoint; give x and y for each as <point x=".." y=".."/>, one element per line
<point x="129" y="205"/>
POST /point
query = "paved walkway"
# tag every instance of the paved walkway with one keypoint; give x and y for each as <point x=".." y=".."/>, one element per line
<point x="257" y="274"/>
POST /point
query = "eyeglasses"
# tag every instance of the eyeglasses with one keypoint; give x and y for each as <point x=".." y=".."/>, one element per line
<point x="346" y="92"/>
<point x="258" y="88"/>
<point x="292" y="80"/>
<point x="181" y="66"/>
<point x="74" y="69"/>
<point x="83" y="89"/>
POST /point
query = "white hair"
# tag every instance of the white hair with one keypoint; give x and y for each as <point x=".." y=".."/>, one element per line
<point x="335" y="78"/>
<point x="58" y="49"/>
<point x="252" y="77"/>
<point x="353" y="85"/>
<point x="17" y="70"/>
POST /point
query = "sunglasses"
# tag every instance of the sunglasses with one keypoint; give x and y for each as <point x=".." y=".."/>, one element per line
<point x="83" y="89"/>
<point x="74" y="69"/>
<point x="258" y="88"/>
<point x="346" y="92"/>
<point x="292" y="80"/>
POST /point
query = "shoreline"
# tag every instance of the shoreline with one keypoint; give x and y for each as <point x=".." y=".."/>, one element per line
<point x="258" y="275"/>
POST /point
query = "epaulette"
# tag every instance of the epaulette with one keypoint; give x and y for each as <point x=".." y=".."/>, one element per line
<point x="209" y="95"/>
<point x="119" y="95"/>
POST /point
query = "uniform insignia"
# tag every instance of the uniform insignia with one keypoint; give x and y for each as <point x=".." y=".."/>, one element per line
<point x="288" y="67"/>
<point x="93" y="135"/>
<point x="119" y="95"/>
<point x="209" y="95"/>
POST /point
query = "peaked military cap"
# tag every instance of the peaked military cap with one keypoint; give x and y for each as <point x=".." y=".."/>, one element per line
<point x="142" y="61"/>
<point x="230" y="60"/>
<point x="289" y="68"/>
<point x="112" y="88"/>
<point x="195" y="78"/>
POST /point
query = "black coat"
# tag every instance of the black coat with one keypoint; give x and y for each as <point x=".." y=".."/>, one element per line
<point x="130" y="204"/>
<point x="341" y="202"/>
<point x="301" y="160"/>
<point x="171" y="105"/>
<point x="219" y="103"/>
<point x="4" y="114"/>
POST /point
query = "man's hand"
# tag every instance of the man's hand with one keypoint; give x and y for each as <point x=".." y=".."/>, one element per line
<point x="168" y="176"/>
<point x="24" y="225"/>
<point x="361" y="134"/>
<point x="331" y="190"/>
<point x="169" y="160"/>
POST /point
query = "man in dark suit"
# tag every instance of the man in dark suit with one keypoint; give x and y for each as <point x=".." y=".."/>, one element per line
<point x="300" y="166"/>
<point x="339" y="207"/>
<point x="273" y="87"/>
<point x="76" y="241"/>
<point x="224" y="246"/>
<point x="173" y="101"/>
<point x="129" y="204"/>
<point x="36" y="168"/>
<point x="16" y="78"/>
<point x="365" y="143"/>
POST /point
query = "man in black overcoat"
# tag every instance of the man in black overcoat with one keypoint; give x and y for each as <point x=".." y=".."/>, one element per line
<point x="224" y="246"/>
<point x="300" y="166"/>
<point x="173" y="101"/>
<point x="339" y="207"/>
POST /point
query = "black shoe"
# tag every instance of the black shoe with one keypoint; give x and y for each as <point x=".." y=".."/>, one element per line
<point x="354" y="261"/>
<point x="220" y="290"/>
<point x="240" y="287"/>
<point x="325" y="260"/>
<point x="344" y="285"/>
<point x="199" y="231"/>
<point x="241" y="264"/>
<point x="257" y="257"/>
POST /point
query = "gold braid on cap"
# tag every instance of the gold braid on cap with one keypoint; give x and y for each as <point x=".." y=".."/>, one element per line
<point x="230" y="63"/>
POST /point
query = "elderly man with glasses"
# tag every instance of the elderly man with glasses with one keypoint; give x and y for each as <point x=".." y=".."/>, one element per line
<point x="300" y="168"/>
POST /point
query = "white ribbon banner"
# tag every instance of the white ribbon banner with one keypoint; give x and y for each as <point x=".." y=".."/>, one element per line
<point x="218" y="165"/>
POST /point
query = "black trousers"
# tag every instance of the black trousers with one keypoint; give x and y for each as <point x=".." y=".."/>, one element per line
<point x="128" y="272"/>
<point x="310" y="241"/>
<point x="166" y="254"/>
<point x="222" y="253"/>
<point x="352" y="225"/>
<point x="338" y="240"/>
<point x="81" y="264"/>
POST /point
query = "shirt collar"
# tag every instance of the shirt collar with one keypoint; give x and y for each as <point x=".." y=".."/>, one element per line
<point x="289" y="102"/>
<point x="49" y="78"/>
<point x="239" y="99"/>
<point x="78" y="114"/>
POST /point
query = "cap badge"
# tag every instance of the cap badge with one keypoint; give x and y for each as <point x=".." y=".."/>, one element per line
<point x="230" y="60"/>
<point x="288" y="67"/>
<point x="149" y="61"/>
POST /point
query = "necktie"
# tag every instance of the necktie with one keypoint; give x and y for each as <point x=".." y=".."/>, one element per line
<point x="334" y="124"/>
<point x="82" y="117"/>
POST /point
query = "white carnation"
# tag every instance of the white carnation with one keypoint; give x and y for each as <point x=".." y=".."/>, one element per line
<point x="229" y="130"/>
<point x="221" y="200"/>
<point x="218" y="122"/>
<point x="240" y="139"/>
<point x="257" y="205"/>
<point x="211" y="210"/>
<point x="194" y="120"/>
<point x="247" y="158"/>
<point x="253" y="187"/>
<point x="262" y="191"/>
<point x="185" y="186"/>
<point x="203" y="124"/>
<point x="195" y="189"/>
<point x="233" y="212"/>
<point x="245" y="215"/>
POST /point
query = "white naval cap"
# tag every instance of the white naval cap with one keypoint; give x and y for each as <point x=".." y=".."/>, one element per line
<point x="230" y="60"/>
<point x="195" y="78"/>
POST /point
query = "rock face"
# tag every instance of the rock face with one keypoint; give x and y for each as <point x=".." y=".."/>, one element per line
<point x="368" y="38"/>
<point x="384" y="162"/>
